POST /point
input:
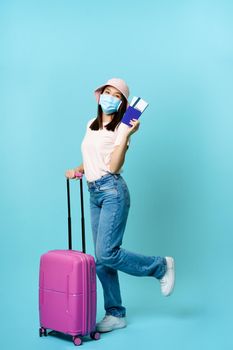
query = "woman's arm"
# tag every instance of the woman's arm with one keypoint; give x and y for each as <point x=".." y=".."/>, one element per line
<point x="118" y="155"/>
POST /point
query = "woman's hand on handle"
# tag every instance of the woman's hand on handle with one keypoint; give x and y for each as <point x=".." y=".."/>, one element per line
<point x="70" y="174"/>
<point x="79" y="169"/>
<point x="75" y="173"/>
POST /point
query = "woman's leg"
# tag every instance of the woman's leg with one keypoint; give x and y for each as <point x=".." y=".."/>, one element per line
<point x="107" y="276"/>
<point x="112" y="222"/>
<point x="112" y="295"/>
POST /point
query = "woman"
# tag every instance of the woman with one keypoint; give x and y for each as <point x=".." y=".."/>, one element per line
<point x="103" y="151"/>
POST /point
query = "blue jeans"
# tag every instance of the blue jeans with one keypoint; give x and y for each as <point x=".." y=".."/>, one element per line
<point x="109" y="207"/>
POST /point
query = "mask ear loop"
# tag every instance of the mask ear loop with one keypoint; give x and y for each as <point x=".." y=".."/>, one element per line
<point x="119" y="105"/>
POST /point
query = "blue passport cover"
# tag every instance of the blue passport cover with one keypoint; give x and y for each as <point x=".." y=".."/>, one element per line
<point x="130" y="113"/>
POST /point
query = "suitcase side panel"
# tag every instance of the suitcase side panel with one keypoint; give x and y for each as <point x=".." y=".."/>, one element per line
<point x="55" y="266"/>
<point x="92" y="300"/>
<point x="89" y="287"/>
<point x="67" y="296"/>
<point x="61" y="312"/>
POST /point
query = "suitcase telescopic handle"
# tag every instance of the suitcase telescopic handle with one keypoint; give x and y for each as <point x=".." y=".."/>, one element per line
<point x="82" y="216"/>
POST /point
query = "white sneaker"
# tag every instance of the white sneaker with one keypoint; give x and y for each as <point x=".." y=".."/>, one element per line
<point x="167" y="282"/>
<point x="109" y="323"/>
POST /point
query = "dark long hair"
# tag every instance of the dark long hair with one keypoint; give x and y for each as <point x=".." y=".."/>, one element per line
<point x="98" y="122"/>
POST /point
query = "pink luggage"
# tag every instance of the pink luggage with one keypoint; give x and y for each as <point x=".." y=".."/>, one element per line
<point x="67" y="288"/>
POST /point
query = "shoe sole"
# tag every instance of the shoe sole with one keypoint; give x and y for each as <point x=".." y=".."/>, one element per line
<point x="172" y="261"/>
<point x="106" y="330"/>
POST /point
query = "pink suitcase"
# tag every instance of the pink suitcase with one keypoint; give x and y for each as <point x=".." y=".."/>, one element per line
<point x="67" y="288"/>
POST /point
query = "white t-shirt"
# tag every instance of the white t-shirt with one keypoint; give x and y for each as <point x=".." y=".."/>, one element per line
<point x="97" y="147"/>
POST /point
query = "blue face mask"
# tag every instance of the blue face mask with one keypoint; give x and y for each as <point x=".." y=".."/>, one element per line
<point x="109" y="103"/>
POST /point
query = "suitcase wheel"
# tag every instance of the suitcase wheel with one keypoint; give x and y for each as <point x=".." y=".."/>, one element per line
<point x="43" y="331"/>
<point x="95" y="335"/>
<point x="77" y="341"/>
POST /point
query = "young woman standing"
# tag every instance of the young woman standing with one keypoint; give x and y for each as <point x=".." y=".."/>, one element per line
<point x="103" y="152"/>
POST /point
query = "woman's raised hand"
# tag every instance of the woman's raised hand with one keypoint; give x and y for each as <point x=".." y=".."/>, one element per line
<point x="135" y="126"/>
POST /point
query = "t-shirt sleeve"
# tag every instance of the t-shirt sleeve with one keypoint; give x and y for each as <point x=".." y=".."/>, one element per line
<point x="121" y="131"/>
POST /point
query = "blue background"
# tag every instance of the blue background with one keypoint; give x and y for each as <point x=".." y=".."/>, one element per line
<point x="178" y="55"/>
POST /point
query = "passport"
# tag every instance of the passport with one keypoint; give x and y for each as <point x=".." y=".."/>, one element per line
<point x="134" y="110"/>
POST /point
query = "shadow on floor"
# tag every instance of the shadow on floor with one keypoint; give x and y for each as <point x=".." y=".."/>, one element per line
<point x="181" y="312"/>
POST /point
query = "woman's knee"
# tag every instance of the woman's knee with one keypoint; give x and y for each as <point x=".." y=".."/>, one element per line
<point x="107" y="257"/>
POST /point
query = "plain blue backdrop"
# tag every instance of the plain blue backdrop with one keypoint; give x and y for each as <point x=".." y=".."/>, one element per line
<point x="178" y="55"/>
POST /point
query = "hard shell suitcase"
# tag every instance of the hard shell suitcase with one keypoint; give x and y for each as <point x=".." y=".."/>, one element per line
<point x="67" y="288"/>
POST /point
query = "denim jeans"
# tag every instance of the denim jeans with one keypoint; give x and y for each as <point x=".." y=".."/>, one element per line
<point x="109" y="207"/>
